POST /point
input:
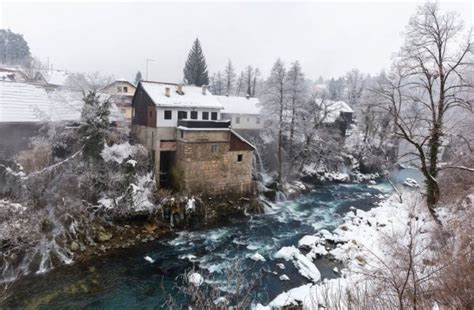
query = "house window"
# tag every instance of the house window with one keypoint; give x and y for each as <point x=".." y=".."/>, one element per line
<point x="214" y="116"/>
<point x="258" y="120"/>
<point x="194" y="115"/>
<point x="214" y="148"/>
<point x="182" y="134"/>
<point x="248" y="119"/>
<point x="168" y="114"/>
<point x="119" y="89"/>
<point x="125" y="89"/>
<point x="205" y="115"/>
<point x="240" y="157"/>
<point x="182" y="114"/>
<point x="237" y="120"/>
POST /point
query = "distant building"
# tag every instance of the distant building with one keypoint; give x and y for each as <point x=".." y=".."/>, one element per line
<point x="121" y="93"/>
<point x="243" y="112"/>
<point x="192" y="148"/>
<point x="337" y="113"/>
<point x="51" y="79"/>
<point x="12" y="74"/>
<point x="25" y="108"/>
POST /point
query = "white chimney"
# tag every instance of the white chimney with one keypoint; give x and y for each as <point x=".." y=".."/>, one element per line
<point x="167" y="91"/>
<point x="204" y="89"/>
<point x="180" y="89"/>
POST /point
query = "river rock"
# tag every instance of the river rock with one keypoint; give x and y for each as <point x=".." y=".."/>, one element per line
<point x="74" y="246"/>
<point x="104" y="236"/>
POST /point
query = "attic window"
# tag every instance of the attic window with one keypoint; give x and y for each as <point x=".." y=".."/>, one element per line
<point x="119" y="89"/>
<point x="125" y="89"/>
<point x="258" y="120"/>
<point x="240" y="157"/>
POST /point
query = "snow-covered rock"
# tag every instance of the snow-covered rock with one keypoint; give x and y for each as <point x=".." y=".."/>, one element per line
<point x="149" y="259"/>
<point x="304" y="265"/>
<point x="257" y="257"/>
<point x="409" y="182"/>
<point x="195" y="279"/>
<point x="284" y="277"/>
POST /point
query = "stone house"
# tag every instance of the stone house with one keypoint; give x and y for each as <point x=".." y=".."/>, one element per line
<point x="191" y="147"/>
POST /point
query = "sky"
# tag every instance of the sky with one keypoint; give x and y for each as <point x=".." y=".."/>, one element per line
<point x="116" y="38"/>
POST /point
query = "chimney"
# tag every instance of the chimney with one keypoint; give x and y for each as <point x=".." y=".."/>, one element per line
<point x="180" y="89"/>
<point x="247" y="96"/>
<point x="204" y="89"/>
<point x="167" y="91"/>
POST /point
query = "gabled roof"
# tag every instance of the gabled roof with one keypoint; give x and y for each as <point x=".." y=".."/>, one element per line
<point x="56" y="77"/>
<point x="239" y="105"/>
<point x="192" y="96"/>
<point x="122" y="80"/>
<point x="23" y="103"/>
<point x="26" y="103"/>
<point x="334" y="109"/>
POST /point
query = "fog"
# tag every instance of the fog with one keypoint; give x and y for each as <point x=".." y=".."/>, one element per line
<point x="116" y="38"/>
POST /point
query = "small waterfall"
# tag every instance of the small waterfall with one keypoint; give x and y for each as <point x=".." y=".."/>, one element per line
<point x="280" y="197"/>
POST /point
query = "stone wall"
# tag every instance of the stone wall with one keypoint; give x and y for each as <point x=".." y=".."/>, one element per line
<point x="205" y="169"/>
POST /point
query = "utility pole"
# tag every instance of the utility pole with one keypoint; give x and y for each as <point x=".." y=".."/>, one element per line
<point x="148" y="60"/>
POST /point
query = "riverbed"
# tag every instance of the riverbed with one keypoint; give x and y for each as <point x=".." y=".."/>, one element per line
<point x="125" y="280"/>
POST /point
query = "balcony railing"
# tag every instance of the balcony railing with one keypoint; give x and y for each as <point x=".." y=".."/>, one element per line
<point x="203" y="124"/>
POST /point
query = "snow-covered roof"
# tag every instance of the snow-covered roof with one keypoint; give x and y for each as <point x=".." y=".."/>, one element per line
<point x="56" y="77"/>
<point x="23" y="103"/>
<point x="26" y="103"/>
<point x="239" y="105"/>
<point x="192" y="96"/>
<point x="334" y="109"/>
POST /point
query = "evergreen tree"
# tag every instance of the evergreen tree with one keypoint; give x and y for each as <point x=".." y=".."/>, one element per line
<point x="138" y="77"/>
<point x="94" y="124"/>
<point x="195" y="69"/>
<point x="14" y="49"/>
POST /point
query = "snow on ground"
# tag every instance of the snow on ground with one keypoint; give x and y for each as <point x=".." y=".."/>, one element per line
<point x="304" y="265"/>
<point x="118" y="152"/>
<point x="362" y="244"/>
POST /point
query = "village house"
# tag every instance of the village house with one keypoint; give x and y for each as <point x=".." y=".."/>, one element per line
<point x="25" y="108"/>
<point x="50" y="79"/>
<point x="121" y="94"/>
<point x="337" y="114"/>
<point x="192" y="148"/>
<point x="243" y="112"/>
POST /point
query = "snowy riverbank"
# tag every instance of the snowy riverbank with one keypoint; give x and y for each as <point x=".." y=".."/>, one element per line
<point x="368" y="243"/>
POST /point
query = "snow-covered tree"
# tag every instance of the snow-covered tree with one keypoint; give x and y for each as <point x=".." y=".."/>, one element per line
<point x="240" y="85"/>
<point x="275" y="105"/>
<point x="229" y="78"/>
<point x="355" y="84"/>
<point x="431" y="82"/>
<point x="336" y="88"/>
<point x="138" y="77"/>
<point x="217" y="84"/>
<point x="297" y="96"/>
<point x="14" y="50"/>
<point x="94" y="124"/>
<point x="195" y="68"/>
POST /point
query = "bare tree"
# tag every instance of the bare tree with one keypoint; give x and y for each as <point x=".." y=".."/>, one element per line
<point x="229" y="78"/>
<point x="427" y="83"/>
<point x="275" y="103"/>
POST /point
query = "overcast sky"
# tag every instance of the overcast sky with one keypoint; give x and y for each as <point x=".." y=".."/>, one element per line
<point x="328" y="38"/>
